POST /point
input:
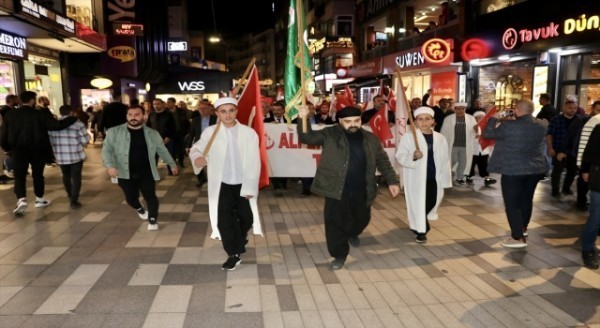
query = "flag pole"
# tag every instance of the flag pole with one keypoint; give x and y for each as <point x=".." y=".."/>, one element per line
<point x="299" y="19"/>
<point x="234" y="92"/>
<point x="244" y="77"/>
<point x="408" y="111"/>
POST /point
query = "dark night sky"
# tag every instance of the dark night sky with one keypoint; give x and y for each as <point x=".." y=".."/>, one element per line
<point x="257" y="16"/>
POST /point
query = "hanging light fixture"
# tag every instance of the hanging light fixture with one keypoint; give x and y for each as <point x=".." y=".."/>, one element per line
<point x="216" y="37"/>
<point x="101" y="82"/>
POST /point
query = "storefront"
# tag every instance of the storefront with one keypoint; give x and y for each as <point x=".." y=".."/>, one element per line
<point x="424" y="68"/>
<point x="521" y="52"/>
<point x="42" y="74"/>
<point x="13" y="49"/>
<point x="191" y="85"/>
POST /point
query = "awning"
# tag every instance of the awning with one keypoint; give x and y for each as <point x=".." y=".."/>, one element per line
<point x="190" y="80"/>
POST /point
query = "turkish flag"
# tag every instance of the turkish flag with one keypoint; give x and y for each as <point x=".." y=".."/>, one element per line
<point x="379" y="125"/>
<point x="483" y="142"/>
<point x="250" y="113"/>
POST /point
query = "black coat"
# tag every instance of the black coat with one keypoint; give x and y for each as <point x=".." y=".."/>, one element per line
<point x="590" y="162"/>
<point x="195" y="130"/>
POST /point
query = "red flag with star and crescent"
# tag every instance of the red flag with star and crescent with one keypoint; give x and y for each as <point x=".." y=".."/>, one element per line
<point x="250" y="113"/>
<point x="379" y="125"/>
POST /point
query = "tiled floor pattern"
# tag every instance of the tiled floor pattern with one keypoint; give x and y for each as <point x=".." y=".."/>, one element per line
<point x="98" y="266"/>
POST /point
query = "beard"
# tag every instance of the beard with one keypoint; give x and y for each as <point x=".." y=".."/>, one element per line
<point x="135" y="123"/>
<point x="352" y="129"/>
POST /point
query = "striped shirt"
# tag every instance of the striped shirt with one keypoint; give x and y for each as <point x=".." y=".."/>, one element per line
<point x="585" y="136"/>
<point x="68" y="143"/>
<point x="460" y="133"/>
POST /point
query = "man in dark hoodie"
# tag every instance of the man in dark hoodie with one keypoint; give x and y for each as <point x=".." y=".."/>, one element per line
<point x="25" y="134"/>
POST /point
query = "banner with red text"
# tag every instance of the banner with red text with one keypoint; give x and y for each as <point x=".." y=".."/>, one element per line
<point x="289" y="158"/>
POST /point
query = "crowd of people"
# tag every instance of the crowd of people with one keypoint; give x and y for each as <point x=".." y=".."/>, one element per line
<point x="441" y="149"/>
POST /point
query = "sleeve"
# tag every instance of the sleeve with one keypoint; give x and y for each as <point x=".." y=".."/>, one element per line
<point x="161" y="149"/>
<point x="490" y="130"/>
<point x="108" y="150"/>
<point x="197" y="149"/>
<point x="311" y="137"/>
<point x="383" y="163"/>
<point x="405" y="152"/>
<point x="83" y="135"/>
<point x="585" y="136"/>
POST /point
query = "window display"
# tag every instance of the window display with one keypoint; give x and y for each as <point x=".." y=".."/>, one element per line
<point x="7" y="79"/>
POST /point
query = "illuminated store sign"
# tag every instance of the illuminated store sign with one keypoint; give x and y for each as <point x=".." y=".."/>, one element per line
<point x="128" y="29"/>
<point x="511" y="36"/>
<point x="30" y="8"/>
<point x="12" y="46"/>
<point x="191" y="85"/>
<point x="436" y="50"/>
<point x="177" y="46"/>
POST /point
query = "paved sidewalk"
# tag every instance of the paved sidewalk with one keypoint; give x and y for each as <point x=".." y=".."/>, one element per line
<point x="98" y="266"/>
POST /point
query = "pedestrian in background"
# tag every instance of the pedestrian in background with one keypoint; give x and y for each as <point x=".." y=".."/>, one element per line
<point x="25" y="135"/>
<point x="68" y="146"/>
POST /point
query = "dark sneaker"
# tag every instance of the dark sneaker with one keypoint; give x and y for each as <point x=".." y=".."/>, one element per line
<point x="42" y="203"/>
<point x="142" y="213"/>
<point x="469" y="180"/>
<point x="305" y="193"/>
<point x="489" y="181"/>
<point x="152" y="224"/>
<point x="75" y="205"/>
<point x="354" y="241"/>
<point x="338" y="263"/>
<point x="568" y="192"/>
<point x="590" y="259"/>
<point x="421" y="238"/>
<point x="460" y="181"/>
<point x="231" y="262"/>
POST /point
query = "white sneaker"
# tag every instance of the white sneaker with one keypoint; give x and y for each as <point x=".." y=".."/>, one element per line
<point x="20" y="208"/>
<point x="142" y="213"/>
<point x="42" y="203"/>
<point x="512" y="243"/>
<point x="9" y="174"/>
<point x="152" y="224"/>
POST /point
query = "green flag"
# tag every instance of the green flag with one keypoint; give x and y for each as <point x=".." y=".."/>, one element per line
<point x="291" y="84"/>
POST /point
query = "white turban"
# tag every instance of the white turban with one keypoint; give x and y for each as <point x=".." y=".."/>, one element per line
<point x="479" y="113"/>
<point x="225" y="100"/>
<point x="460" y="104"/>
<point x="424" y="110"/>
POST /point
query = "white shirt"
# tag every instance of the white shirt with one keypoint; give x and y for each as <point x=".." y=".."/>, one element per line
<point x="232" y="173"/>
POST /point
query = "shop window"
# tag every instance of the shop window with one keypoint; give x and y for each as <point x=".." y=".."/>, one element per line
<point x="80" y="11"/>
<point x="509" y="90"/>
<point x="7" y="80"/>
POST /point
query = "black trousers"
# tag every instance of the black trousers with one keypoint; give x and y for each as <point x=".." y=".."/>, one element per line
<point x="147" y="186"/>
<point x="482" y="162"/>
<point x="345" y="218"/>
<point x="71" y="177"/>
<point x="517" y="192"/>
<point x="22" y="158"/>
<point x="557" y="168"/>
<point x="279" y="183"/>
<point x="235" y="219"/>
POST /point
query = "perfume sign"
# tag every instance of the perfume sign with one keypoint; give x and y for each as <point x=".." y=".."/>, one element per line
<point x="13" y="46"/>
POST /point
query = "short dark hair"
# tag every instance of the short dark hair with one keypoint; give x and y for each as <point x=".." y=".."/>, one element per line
<point x="596" y="103"/>
<point x="65" y="110"/>
<point x="135" y="107"/>
<point x="27" y="96"/>
<point x="545" y="96"/>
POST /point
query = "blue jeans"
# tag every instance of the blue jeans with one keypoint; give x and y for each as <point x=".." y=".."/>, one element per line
<point x="517" y="191"/>
<point x="590" y="230"/>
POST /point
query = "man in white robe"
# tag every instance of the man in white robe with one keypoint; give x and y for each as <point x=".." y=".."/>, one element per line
<point x="233" y="161"/>
<point x="459" y="129"/>
<point x="426" y="172"/>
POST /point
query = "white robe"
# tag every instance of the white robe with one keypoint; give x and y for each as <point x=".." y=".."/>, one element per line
<point x="247" y="142"/>
<point x="415" y="176"/>
<point x="448" y="132"/>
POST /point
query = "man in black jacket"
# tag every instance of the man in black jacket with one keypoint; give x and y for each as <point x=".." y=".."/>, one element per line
<point x="590" y="172"/>
<point x="113" y="114"/>
<point x="24" y="133"/>
<point x="164" y="122"/>
<point x="346" y="177"/>
<point x="199" y="124"/>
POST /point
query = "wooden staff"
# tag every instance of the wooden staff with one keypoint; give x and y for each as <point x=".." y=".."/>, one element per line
<point x="300" y="26"/>
<point x="408" y="111"/>
<point x="234" y="92"/>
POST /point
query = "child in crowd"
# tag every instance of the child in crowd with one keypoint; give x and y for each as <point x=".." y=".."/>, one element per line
<point x="426" y="172"/>
<point x="480" y="156"/>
